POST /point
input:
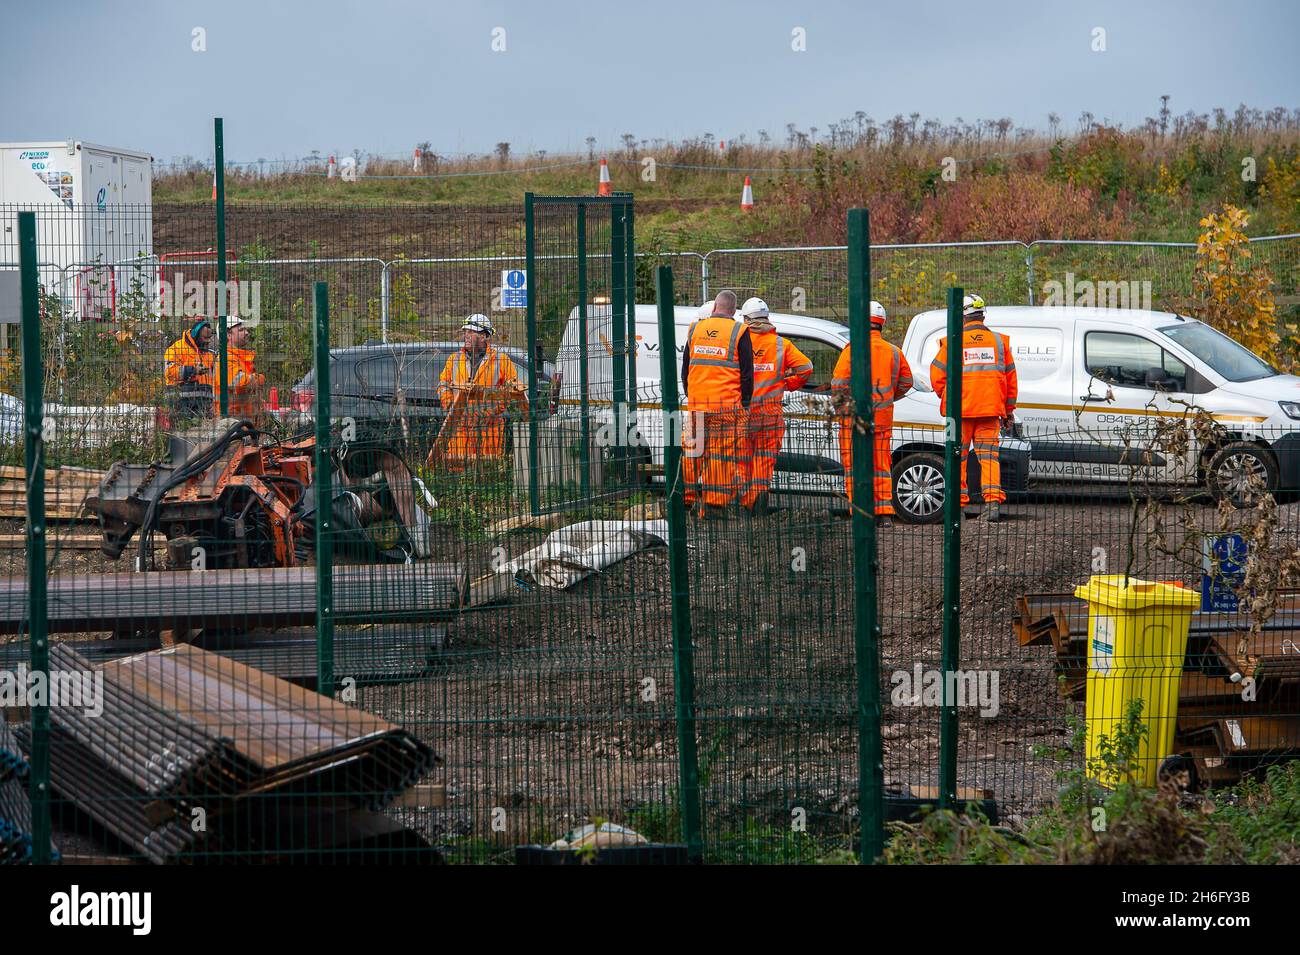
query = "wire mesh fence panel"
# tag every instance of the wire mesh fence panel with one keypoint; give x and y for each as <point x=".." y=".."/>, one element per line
<point x="1113" y="275"/>
<point x="543" y="688"/>
<point x="416" y="603"/>
<point x="909" y="279"/>
<point x="772" y="623"/>
<point x="1281" y="256"/>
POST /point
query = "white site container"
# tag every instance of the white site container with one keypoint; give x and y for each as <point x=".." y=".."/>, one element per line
<point x="94" y="223"/>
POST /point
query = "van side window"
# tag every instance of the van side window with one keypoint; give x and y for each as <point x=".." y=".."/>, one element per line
<point x="1132" y="361"/>
<point x="823" y="355"/>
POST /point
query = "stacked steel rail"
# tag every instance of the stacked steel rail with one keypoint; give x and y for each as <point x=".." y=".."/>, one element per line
<point x="194" y="756"/>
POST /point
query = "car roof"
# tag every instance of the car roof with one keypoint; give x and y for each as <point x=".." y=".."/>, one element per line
<point x="1054" y="314"/>
<point x="685" y="315"/>
<point x="370" y="348"/>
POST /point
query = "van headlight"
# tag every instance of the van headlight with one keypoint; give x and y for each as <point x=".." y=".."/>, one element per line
<point x="1291" y="409"/>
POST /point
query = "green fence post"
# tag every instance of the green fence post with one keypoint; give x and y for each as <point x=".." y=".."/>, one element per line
<point x="871" y="770"/>
<point x="618" y="338"/>
<point x="222" y="356"/>
<point x="678" y="571"/>
<point x="34" y="457"/>
<point x="584" y="374"/>
<point x="534" y="359"/>
<point x="950" y="651"/>
<point x="324" y="500"/>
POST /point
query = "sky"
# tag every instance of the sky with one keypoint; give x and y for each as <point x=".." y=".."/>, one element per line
<point x="381" y="76"/>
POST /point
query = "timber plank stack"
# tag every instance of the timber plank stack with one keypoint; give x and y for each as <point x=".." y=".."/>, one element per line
<point x="1239" y="700"/>
<point x="66" y="490"/>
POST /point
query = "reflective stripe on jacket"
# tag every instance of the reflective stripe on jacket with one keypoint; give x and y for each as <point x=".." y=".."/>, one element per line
<point x="482" y="430"/>
<point x="778" y="367"/>
<point x="988" y="373"/>
<point x="714" y="371"/>
<point x="891" y="376"/>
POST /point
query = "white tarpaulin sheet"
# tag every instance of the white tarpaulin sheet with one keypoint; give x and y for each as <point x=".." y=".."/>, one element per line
<point x="575" y="552"/>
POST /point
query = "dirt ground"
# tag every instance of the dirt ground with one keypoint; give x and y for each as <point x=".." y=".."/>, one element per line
<point x="555" y="707"/>
<point x="543" y="709"/>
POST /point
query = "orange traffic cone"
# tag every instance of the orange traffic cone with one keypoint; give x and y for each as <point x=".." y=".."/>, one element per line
<point x="606" y="188"/>
<point x="214" y="185"/>
<point x="747" y="197"/>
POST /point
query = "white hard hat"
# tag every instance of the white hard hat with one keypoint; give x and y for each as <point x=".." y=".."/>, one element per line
<point x="478" y="323"/>
<point x="877" y="313"/>
<point x="972" y="304"/>
<point x="705" y="310"/>
<point x="754" y="308"/>
<point x="233" y="321"/>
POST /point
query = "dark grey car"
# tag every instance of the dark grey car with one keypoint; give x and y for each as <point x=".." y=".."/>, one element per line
<point x="392" y="389"/>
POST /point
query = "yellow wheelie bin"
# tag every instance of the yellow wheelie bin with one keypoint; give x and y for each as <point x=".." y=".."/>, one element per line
<point x="1137" y="638"/>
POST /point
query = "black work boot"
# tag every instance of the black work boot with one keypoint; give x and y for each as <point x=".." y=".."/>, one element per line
<point x="760" y="504"/>
<point x="993" y="514"/>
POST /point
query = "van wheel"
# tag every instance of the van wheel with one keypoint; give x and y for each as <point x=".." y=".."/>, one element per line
<point x="918" y="488"/>
<point x="1241" y="472"/>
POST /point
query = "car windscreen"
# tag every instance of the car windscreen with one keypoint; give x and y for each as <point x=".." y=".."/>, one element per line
<point x="1233" y="361"/>
<point x="414" y="372"/>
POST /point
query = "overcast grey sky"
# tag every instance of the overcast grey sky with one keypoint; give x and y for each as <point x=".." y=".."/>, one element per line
<point x="379" y="76"/>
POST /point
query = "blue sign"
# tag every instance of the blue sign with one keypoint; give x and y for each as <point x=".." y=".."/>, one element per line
<point x="514" y="288"/>
<point x="1223" y="571"/>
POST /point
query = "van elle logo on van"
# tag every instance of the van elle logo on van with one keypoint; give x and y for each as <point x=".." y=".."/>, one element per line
<point x="1089" y="294"/>
<point x="74" y="908"/>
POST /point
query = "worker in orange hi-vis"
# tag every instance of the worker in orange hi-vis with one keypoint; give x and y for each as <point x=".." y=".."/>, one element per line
<point x="988" y="398"/>
<point x="243" y="383"/>
<point x="891" y="378"/>
<point x="487" y="384"/>
<point x="718" y="377"/>
<point x="778" y="367"/>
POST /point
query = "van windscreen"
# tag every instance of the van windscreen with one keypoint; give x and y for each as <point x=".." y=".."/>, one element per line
<point x="1233" y="361"/>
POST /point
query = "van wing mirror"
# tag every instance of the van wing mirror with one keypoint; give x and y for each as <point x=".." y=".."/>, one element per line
<point x="1159" y="378"/>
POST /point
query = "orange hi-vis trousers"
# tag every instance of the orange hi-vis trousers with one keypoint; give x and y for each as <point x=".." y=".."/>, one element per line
<point x="713" y="454"/>
<point x="764" y="434"/>
<point x="882" y="482"/>
<point x="985" y="435"/>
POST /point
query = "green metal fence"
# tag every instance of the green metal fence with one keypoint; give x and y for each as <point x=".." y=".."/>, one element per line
<point x="345" y="631"/>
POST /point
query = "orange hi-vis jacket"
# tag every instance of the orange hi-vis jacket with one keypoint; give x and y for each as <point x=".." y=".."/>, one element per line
<point x="714" y="372"/>
<point x="242" y="381"/>
<point x="988" y="373"/>
<point x="482" y="433"/>
<point x="185" y="351"/>
<point x="778" y="367"/>
<point x="891" y="376"/>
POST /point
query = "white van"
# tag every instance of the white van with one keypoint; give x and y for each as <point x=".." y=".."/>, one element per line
<point x="1096" y="385"/>
<point x="809" y="461"/>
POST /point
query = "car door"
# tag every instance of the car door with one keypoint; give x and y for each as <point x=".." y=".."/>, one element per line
<point x="1128" y="390"/>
